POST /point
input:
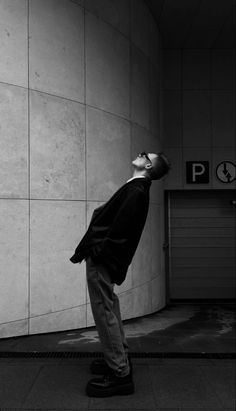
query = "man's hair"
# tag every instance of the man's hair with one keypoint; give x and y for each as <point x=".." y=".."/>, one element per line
<point x="160" y="167"/>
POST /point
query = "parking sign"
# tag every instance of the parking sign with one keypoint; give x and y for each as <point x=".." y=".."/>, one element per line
<point x="197" y="172"/>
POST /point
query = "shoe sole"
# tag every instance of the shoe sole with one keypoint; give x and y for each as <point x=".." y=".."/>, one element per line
<point x="125" y="389"/>
<point x="103" y="371"/>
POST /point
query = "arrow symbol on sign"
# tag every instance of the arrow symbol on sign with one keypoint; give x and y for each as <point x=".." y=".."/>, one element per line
<point x="226" y="173"/>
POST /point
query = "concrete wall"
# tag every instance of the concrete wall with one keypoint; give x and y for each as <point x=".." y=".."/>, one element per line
<point x="79" y="98"/>
<point x="199" y="112"/>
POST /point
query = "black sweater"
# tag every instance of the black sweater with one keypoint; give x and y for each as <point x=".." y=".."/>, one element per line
<point x="115" y="229"/>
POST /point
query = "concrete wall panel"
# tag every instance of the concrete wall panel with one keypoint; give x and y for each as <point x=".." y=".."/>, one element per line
<point x="112" y="11"/>
<point x="196" y="69"/>
<point x="14" y="42"/>
<point x="57" y="148"/>
<point x="223" y="69"/>
<point x="57" y="48"/>
<point x="196" y="119"/>
<point x="69" y="319"/>
<point x="56" y="284"/>
<point x="16" y="328"/>
<point x="158" y="293"/>
<point x="140" y="22"/>
<point x="155" y="100"/>
<point x="155" y="45"/>
<point x="89" y="316"/>
<point x="143" y="140"/>
<point x="14" y="264"/>
<point x="78" y="2"/>
<point x="172" y="117"/>
<point x="107" y="67"/>
<point x="172" y="69"/>
<point x="140" y="88"/>
<point x="108" y="153"/>
<point x="127" y="304"/>
<point x="223" y="118"/>
<point x="13" y="142"/>
<point x="142" y="303"/>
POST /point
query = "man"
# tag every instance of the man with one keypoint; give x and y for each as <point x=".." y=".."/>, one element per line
<point x="108" y="248"/>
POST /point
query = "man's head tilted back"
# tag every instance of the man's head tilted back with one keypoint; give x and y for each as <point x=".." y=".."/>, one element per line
<point x="151" y="165"/>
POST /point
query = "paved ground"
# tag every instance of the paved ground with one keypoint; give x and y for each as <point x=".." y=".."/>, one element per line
<point x="162" y="384"/>
<point x="177" y="328"/>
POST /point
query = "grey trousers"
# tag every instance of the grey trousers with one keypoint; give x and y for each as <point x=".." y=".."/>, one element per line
<point x="106" y="312"/>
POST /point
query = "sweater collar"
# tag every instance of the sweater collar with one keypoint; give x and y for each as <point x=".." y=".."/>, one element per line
<point x="132" y="178"/>
<point x="142" y="179"/>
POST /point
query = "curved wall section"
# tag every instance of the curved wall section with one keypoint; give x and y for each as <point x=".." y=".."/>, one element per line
<point x="79" y="98"/>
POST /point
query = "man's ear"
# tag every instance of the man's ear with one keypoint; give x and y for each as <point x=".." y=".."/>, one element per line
<point x="148" y="166"/>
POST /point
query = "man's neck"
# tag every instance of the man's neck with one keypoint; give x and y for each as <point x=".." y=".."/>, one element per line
<point x="138" y="173"/>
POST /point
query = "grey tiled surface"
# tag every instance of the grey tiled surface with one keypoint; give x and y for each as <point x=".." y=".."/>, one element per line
<point x="16" y="381"/>
<point x="161" y="384"/>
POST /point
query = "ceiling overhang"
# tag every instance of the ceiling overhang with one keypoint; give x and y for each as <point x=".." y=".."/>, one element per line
<point x="195" y="24"/>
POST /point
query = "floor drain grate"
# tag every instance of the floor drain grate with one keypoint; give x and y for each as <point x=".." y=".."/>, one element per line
<point x="97" y="354"/>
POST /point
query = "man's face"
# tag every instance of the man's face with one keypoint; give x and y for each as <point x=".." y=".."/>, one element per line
<point x="143" y="159"/>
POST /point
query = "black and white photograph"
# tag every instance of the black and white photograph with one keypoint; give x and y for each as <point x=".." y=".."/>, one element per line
<point x="117" y="205"/>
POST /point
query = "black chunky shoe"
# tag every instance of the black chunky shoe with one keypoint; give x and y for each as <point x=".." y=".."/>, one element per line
<point x="110" y="385"/>
<point x="100" y="367"/>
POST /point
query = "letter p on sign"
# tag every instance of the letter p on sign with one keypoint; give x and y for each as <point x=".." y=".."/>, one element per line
<point x="197" y="172"/>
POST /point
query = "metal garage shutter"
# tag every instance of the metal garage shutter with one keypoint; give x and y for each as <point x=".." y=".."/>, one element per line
<point x="202" y="244"/>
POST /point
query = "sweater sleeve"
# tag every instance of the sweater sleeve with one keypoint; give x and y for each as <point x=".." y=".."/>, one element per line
<point x="127" y="223"/>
